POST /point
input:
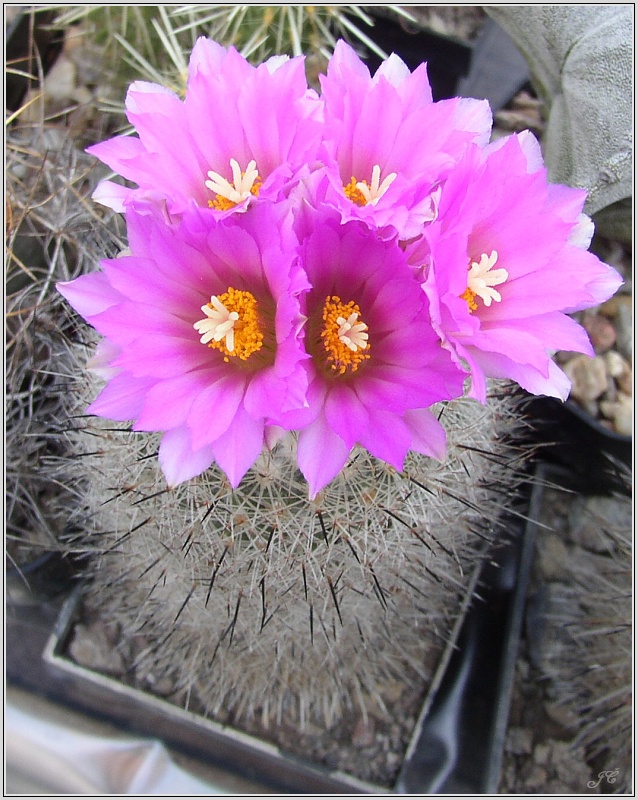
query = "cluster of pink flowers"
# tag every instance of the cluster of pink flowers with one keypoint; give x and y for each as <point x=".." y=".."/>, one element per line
<point x="328" y="264"/>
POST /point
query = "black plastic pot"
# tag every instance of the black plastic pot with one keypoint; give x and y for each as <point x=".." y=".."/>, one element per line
<point x="491" y="67"/>
<point x="597" y="459"/>
<point x="31" y="45"/>
<point x="46" y="576"/>
<point x="456" y="746"/>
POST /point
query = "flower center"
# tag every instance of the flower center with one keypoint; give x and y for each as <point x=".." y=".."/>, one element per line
<point x="363" y="193"/>
<point x="227" y="195"/>
<point x="481" y="279"/>
<point x="344" y="337"/>
<point x="232" y="324"/>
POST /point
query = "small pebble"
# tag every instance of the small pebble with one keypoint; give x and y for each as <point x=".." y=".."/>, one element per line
<point x="601" y="332"/>
<point x="626" y="382"/>
<point x="616" y="364"/>
<point x="588" y="377"/>
<point x="625" y="330"/>
<point x="611" y="392"/>
<point x="519" y="741"/>
<point x="621" y="412"/>
<point x="537" y="778"/>
<point x="552" y="556"/>
<point x="363" y="734"/>
<point x="564" y="716"/>
<point x="541" y="754"/>
<point x="60" y="81"/>
<point x="91" y="648"/>
<point x="610" y="308"/>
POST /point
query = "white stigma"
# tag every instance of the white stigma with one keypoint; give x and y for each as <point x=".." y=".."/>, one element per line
<point x="374" y="192"/>
<point x="352" y="333"/>
<point x="240" y="189"/>
<point x="482" y="277"/>
<point x="219" y="324"/>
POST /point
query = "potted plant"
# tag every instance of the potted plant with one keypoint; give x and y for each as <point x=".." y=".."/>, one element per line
<point x="291" y="345"/>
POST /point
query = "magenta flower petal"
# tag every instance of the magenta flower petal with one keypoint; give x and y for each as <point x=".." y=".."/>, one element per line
<point x="122" y="398"/>
<point x="237" y="449"/>
<point x="133" y="278"/>
<point x="168" y="402"/>
<point x="346" y="414"/>
<point x="125" y="155"/>
<point x="100" y="362"/>
<point x="161" y="357"/>
<point x="427" y="434"/>
<point x="89" y="294"/>
<point x="214" y="410"/>
<point x="112" y="195"/>
<point x="128" y="321"/>
<point x="551" y="381"/>
<point x="556" y="331"/>
<point x="321" y="454"/>
<point x="387" y="438"/>
<point x="177" y="458"/>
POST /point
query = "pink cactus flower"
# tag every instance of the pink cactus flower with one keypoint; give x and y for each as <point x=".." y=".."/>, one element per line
<point x="387" y="145"/>
<point x="202" y="334"/>
<point x="376" y="364"/>
<point x="506" y="262"/>
<point x="240" y="133"/>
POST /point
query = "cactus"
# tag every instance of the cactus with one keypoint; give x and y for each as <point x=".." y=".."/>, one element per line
<point x="255" y="606"/>
<point x="53" y="232"/>
<point x="263" y="608"/>
<point x="153" y="42"/>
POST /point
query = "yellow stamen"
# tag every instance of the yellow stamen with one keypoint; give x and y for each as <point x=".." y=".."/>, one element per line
<point x="468" y="295"/>
<point x="363" y="193"/>
<point x="344" y="337"/>
<point x="481" y="278"/>
<point x="227" y="195"/>
<point x="353" y="193"/>
<point x="232" y="324"/>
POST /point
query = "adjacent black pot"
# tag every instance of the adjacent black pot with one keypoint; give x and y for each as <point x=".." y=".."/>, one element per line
<point x="491" y="67"/>
<point x="596" y="460"/>
<point x="31" y="43"/>
<point x="45" y="577"/>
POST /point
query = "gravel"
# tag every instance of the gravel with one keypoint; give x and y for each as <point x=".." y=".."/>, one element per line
<point x="564" y="736"/>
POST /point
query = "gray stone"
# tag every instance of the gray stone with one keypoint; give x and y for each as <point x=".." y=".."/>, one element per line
<point x="625" y="329"/>
<point x="621" y="413"/>
<point x="536" y="778"/>
<point x="541" y="753"/>
<point x="601" y="332"/>
<point x="519" y="741"/>
<point x="91" y="648"/>
<point x="564" y="716"/>
<point x="616" y="364"/>
<point x="570" y="765"/>
<point x="610" y="395"/>
<point x="626" y="382"/>
<point x="552" y="556"/>
<point x="588" y="377"/>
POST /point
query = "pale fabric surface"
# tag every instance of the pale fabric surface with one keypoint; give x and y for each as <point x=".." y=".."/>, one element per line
<point x="49" y="750"/>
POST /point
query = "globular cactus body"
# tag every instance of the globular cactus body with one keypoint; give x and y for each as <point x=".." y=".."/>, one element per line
<point x="261" y="603"/>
